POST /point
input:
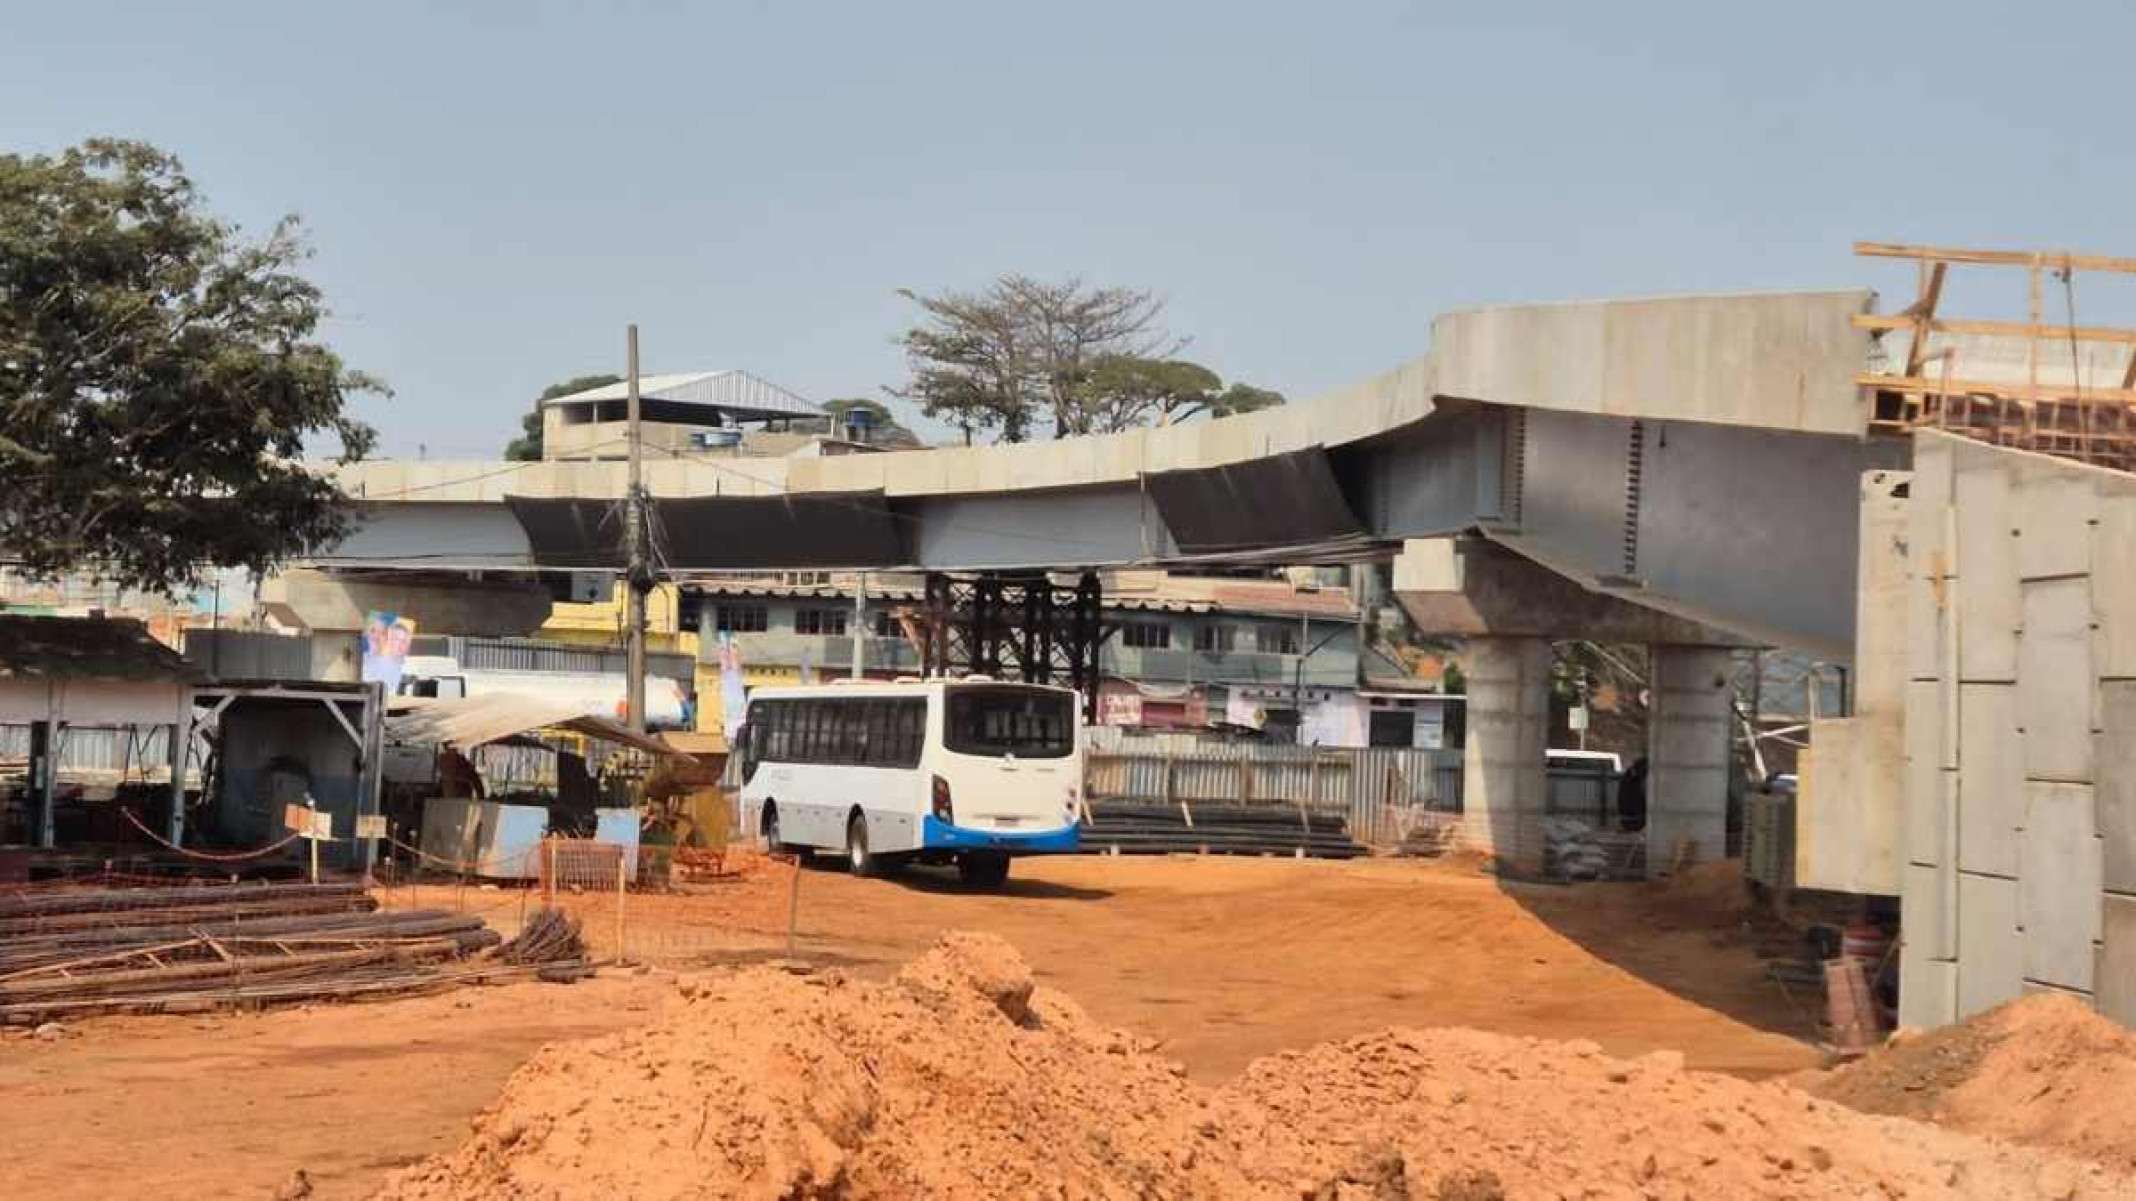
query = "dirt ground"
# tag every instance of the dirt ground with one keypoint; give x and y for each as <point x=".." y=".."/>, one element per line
<point x="1220" y="960"/>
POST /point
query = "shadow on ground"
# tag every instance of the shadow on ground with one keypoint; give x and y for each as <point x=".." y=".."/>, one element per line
<point x="1702" y="936"/>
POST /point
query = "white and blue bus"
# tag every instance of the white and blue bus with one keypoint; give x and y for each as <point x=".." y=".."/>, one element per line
<point x="968" y="771"/>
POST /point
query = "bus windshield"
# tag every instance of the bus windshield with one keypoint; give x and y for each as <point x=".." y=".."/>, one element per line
<point x="1025" y="722"/>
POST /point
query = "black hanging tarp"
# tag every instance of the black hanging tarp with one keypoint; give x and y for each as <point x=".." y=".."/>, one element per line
<point x="1287" y="500"/>
<point x="721" y="533"/>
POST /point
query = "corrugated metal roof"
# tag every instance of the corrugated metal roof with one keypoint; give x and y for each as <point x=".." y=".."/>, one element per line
<point x="736" y="390"/>
<point x="86" y="648"/>
<point x="472" y="721"/>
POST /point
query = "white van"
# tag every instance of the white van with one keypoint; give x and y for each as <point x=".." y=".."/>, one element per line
<point x="967" y="771"/>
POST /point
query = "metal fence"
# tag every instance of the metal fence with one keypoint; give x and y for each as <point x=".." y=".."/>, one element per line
<point x="117" y="751"/>
<point x="1378" y="790"/>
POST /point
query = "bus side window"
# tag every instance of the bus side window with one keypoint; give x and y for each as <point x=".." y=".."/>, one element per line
<point x="912" y="731"/>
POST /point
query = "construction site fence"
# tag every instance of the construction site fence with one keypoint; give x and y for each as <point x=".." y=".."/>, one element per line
<point x="1379" y="791"/>
<point x="645" y="903"/>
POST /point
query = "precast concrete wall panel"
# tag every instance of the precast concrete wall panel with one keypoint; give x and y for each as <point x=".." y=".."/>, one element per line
<point x="2055" y="680"/>
<point x="1928" y="994"/>
<point x="2115" y="977"/>
<point x="1927" y="783"/>
<point x="1991" y="779"/>
<point x="2114" y="586"/>
<point x="1984" y="560"/>
<point x="2058" y="890"/>
<point x="2055" y="511"/>
<point x="1991" y="949"/>
<point x="1927" y="910"/>
<point x="2115" y="789"/>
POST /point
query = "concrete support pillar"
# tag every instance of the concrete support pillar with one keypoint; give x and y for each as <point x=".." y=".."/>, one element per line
<point x="1504" y="789"/>
<point x="1688" y="711"/>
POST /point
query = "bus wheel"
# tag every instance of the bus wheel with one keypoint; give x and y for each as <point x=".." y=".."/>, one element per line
<point x="859" y="859"/>
<point x="770" y="827"/>
<point x="983" y="869"/>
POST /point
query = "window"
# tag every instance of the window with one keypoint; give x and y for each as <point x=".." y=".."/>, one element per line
<point x="886" y="625"/>
<point x="1215" y="636"/>
<point x="819" y="621"/>
<point x="1279" y="639"/>
<point x="1024" y="722"/>
<point x="863" y="731"/>
<point x="743" y="619"/>
<point x="1152" y="634"/>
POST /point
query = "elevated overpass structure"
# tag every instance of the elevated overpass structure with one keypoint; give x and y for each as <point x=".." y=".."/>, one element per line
<point x="1697" y="456"/>
<point x="1685" y="472"/>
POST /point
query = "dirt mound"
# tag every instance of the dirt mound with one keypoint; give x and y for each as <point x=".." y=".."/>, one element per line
<point x="2044" y="1070"/>
<point x="959" y="1079"/>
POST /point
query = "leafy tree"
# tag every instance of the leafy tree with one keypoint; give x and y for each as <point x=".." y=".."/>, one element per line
<point x="1122" y="391"/>
<point x="1026" y="352"/>
<point x="526" y="448"/>
<point x="159" y="377"/>
<point x="888" y="430"/>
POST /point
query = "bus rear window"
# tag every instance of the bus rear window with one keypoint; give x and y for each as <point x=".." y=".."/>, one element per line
<point x="1024" y="722"/>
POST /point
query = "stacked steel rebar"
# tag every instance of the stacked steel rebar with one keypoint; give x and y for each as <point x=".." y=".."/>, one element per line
<point x="1209" y="828"/>
<point x="71" y="950"/>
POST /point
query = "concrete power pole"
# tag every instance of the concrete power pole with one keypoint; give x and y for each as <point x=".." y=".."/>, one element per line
<point x="638" y="578"/>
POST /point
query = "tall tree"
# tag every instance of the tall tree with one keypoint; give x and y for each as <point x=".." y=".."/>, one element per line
<point x="1020" y="352"/>
<point x="1123" y="391"/>
<point x="527" y="446"/>
<point x="159" y="377"/>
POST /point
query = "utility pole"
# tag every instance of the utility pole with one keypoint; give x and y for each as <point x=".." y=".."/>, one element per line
<point x="638" y="578"/>
<point x="860" y="620"/>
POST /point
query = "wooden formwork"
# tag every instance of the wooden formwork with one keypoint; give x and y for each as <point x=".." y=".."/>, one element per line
<point x="2069" y="413"/>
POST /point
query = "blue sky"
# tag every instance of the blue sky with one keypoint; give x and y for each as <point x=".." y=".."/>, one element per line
<point x="495" y="190"/>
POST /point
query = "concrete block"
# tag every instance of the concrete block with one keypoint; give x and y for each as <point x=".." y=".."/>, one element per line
<point x="2115" y="790"/>
<point x="2056" y="687"/>
<point x="1928" y="910"/>
<point x="1991" y="779"/>
<point x="2113" y="584"/>
<point x="1984" y="559"/>
<point x="2058" y="890"/>
<point x="2115" y="978"/>
<point x="2055" y="510"/>
<point x="1991" y="950"/>
<point x="1928" y="990"/>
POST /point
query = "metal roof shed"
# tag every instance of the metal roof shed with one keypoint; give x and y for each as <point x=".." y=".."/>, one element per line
<point x="57" y="672"/>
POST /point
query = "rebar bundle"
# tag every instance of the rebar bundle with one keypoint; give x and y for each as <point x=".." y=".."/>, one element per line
<point x="81" y="950"/>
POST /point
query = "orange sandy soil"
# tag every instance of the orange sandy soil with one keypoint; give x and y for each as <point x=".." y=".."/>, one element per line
<point x="1220" y="960"/>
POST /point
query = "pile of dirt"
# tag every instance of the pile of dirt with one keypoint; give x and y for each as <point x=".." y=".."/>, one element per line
<point x="2045" y="1070"/>
<point x="959" y="1078"/>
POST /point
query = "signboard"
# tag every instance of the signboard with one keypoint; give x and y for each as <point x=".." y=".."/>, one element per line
<point x="308" y="822"/>
<point x="370" y="825"/>
<point x="1120" y="708"/>
<point x="386" y="638"/>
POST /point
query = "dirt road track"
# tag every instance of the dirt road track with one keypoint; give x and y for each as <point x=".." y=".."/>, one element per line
<point x="1223" y="959"/>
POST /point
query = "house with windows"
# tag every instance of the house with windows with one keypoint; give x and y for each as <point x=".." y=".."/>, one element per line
<point x="1278" y="653"/>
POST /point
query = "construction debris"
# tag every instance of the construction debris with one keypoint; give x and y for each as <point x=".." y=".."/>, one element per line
<point x="73" y="951"/>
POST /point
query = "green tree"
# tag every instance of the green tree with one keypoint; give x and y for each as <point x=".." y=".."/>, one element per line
<point x="1123" y="391"/>
<point x="1026" y="353"/>
<point x="159" y="378"/>
<point x="526" y="448"/>
<point x="888" y="430"/>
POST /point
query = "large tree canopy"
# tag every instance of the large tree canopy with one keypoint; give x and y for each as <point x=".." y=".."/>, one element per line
<point x="527" y="446"/>
<point x="159" y="378"/>
<point x="1026" y="354"/>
